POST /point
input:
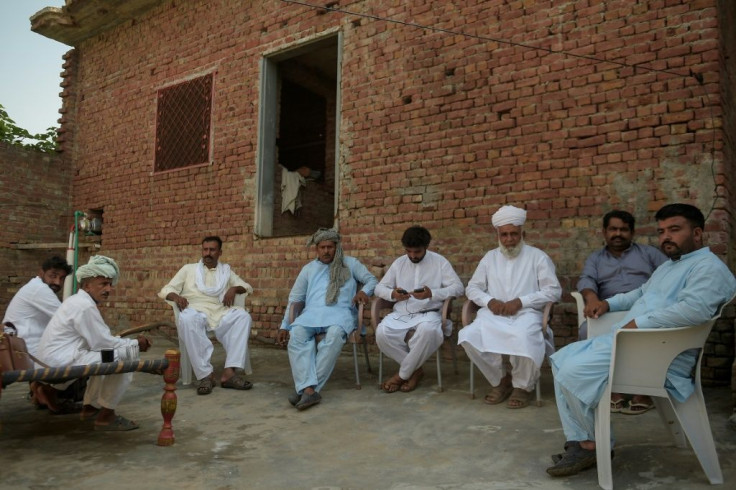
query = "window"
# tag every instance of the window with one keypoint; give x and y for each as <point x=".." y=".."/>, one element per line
<point x="183" y="124"/>
<point x="297" y="141"/>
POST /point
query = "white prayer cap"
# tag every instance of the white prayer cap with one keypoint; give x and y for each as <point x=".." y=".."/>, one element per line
<point x="99" y="266"/>
<point x="508" y="215"/>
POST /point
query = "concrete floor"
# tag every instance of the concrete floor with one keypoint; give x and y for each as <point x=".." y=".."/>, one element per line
<point x="353" y="439"/>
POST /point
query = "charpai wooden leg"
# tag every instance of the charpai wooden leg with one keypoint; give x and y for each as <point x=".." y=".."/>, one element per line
<point x="168" y="400"/>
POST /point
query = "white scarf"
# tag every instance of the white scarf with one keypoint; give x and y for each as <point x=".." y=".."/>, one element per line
<point x="222" y="275"/>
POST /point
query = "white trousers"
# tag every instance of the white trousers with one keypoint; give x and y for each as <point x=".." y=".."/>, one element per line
<point x="102" y="391"/>
<point x="524" y="374"/>
<point x="411" y="356"/>
<point x="232" y="332"/>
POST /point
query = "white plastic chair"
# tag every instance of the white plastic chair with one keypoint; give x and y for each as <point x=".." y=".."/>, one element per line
<point x="185" y="366"/>
<point x="596" y="326"/>
<point x="639" y="362"/>
<point x="470" y="309"/>
<point x="355" y="337"/>
<point x="379" y="305"/>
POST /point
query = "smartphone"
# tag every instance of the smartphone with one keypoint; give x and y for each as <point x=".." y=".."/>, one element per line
<point x="402" y="291"/>
<point x="420" y="290"/>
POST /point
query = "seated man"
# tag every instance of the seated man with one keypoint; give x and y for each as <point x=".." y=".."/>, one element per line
<point x="619" y="267"/>
<point x="77" y="334"/>
<point x="327" y="286"/>
<point x="686" y="290"/>
<point x="29" y="312"/>
<point x="418" y="283"/>
<point x="205" y="292"/>
<point x="512" y="284"/>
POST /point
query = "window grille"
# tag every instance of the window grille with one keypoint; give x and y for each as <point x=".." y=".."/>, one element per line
<point x="183" y="124"/>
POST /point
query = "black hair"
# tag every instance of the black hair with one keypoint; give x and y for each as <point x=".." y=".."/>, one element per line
<point x="416" y="236"/>
<point x="56" y="262"/>
<point x="624" y="216"/>
<point x="213" y="238"/>
<point x="687" y="211"/>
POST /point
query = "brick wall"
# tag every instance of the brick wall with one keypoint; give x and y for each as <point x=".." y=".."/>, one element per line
<point x="436" y="128"/>
<point x="34" y="202"/>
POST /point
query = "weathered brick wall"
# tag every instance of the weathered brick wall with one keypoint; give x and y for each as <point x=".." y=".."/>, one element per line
<point x="727" y="16"/>
<point x="436" y="128"/>
<point x="35" y="202"/>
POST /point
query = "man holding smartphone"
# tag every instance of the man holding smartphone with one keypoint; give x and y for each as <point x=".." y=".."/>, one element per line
<point x="418" y="283"/>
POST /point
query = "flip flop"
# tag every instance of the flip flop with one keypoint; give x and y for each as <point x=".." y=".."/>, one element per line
<point x="498" y="394"/>
<point x="206" y="386"/>
<point x="119" y="423"/>
<point x="637" y="408"/>
<point x="617" y="406"/>
<point x="236" y="382"/>
<point x="521" y="397"/>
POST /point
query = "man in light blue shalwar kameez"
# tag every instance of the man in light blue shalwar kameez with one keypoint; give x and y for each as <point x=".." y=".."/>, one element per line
<point x="327" y="286"/>
<point x="686" y="290"/>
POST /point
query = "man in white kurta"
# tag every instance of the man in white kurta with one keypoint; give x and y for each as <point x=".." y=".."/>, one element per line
<point x="77" y="334"/>
<point x="205" y="292"/>
<point x="35" y="303"/>
<point x="418" y="283"/>
<point x="512" y="284"/>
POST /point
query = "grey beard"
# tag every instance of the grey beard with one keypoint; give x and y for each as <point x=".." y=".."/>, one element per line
<point x="511" y="253"/>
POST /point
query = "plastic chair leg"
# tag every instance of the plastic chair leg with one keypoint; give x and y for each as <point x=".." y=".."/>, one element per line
<point x="355" y="363"/>
<point x="367" y="359"/>
<point x="603" y="441"/>
<point x="438" y="354"/>
<point x="380" y="369"/>
<point x="669" y="418"/>
<point x="694" y="420"/>
<point x="472" y="381"/>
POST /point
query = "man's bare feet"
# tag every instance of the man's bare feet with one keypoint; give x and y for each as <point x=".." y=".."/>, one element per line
<point x="411" y="383"/>
<point x="393" y="384"/>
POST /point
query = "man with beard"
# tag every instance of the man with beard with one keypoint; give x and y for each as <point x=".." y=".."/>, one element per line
<point x="29" y="312"/>
<point x="35" y="303"/>
<point x="328" y="286"/>
<point x="686" y="290"/>
<point x="77" y="334"/>
<point x="619" y="267"/>
<point x="418" y="283"/>
<point x="205" y="292"/>
<point x="512" y="284"/>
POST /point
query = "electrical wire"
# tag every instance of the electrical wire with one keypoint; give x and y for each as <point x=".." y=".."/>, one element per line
<point x="332" y="7"/>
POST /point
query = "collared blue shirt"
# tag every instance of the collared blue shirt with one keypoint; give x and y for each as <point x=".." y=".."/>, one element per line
<point x="311" y="287"/>
<point x="608" y="275"/>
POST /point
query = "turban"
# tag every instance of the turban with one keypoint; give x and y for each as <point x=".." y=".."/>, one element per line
<point x="99" y="266"/>
<point x="339" y="272"/>
<point x="508" y="215"/>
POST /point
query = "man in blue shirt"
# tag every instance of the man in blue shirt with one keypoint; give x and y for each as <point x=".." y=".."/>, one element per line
<point x="619" y="267"/>
<point x="327" y="286"/>
<point x="686" y="290"/>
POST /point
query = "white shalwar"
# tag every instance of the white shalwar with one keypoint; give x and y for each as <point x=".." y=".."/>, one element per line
<point x="423" y="316"/>
<point x="30" y="311"/>
<point x="231" y="324"/>
<point x="531" y="277"/>
<point x="75" y="336"/>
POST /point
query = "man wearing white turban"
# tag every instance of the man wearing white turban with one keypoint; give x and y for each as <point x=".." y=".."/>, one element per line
<point x="205" y="294"/>
<point x="77" y="334"/>
<point x="328" y="286"/>
<point x="512" y="284"/>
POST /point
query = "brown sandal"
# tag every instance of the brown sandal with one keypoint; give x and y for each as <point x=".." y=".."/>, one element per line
<point x="206" y="386"/>
<point x="498" y="394"/>
<point x="520" y="398"/>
